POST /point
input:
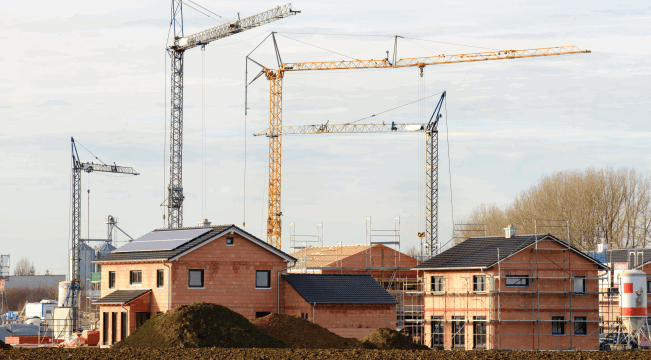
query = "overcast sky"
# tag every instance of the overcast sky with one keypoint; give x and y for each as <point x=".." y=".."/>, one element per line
<point x="98" y="71"/>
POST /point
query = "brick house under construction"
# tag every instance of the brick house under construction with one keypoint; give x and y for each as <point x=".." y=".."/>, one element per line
<point x="392" y="269"/>
<point x="218" y="264"/>
<point x="530" y="292"/>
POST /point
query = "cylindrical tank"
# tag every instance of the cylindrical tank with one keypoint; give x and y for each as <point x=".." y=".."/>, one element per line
<point x="632" y="299"/>
<point x="64" y="286"/>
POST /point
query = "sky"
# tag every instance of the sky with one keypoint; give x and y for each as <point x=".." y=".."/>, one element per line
<point x="99" y="72"/>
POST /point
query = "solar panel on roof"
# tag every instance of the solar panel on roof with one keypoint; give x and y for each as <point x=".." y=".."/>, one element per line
<point x="162" y="240"/>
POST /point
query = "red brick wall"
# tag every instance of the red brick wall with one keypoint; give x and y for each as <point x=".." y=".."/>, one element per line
<point x="149" y="269"/>
<point x="557" y="269"/>
<point x="229" y="276"/>
<point x="347" y="320"/>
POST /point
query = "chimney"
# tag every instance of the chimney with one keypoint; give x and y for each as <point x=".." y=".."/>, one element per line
<point x="204" y="223"/>
<point x="509" y="231"/>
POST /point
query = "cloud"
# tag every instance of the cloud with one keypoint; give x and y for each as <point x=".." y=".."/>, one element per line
<point x="51" y="103"/>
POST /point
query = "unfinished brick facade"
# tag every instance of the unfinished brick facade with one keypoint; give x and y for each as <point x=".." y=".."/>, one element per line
<point x="347" y="320"/>
<point x="542" y="297"/>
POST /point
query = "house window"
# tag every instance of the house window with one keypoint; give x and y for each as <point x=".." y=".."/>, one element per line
<point x="437" y="332"/>
<point x="579" y="285"/>
<point x="558" y="325"/>
<point x="304" y="316"/>
<point x="111" y="280"/>
<point x="195" y="278"/>
<point x="648" y="286"/>
<point x="479" y="332"/>
<point x="580" y="325"/>
<point x="517" y="280"/>
<point x="613" y="291"/>
<point x="437" y="283"/>
<point x="136" y="277"/>
<point x="160" y="278"/>
<point x="262" y="279"/>
<point x="259" y="314"/>
<point x="479" y="283"/>
<point x="458" y="332"/>
<point x="229" y="241"/>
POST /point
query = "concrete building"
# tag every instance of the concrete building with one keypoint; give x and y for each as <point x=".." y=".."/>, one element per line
<point x="33" y="281"/>
<point x="532" y="292"/>
<point x="218" y="264"/>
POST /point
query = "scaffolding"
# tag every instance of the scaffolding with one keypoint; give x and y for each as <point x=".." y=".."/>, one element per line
<point x="523" y="301"/>
<point x="4" y="276"/>
<point x="379" y="256"/>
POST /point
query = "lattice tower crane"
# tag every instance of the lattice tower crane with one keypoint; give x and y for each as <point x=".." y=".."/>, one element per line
<point x="177" y="50"/>
<point x="431" y="157"/>
<point x="275" y="77"/>
<point x="75" y="258"/>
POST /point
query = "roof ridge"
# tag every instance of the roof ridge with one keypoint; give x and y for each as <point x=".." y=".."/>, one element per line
<point x="196" y="227"/>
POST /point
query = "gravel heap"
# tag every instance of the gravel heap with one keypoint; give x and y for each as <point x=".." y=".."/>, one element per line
<point x="4" y="346"/>
<point x="297" y="332"/>
<point x="387" y="339"/>
<point x="199" y="325"/>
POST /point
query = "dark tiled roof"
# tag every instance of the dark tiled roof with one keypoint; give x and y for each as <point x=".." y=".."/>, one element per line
<point x="622" y="256"/>
<point x="482" y="252"/>
<point x="122" y="296"/>
<point x="170" y="254"/>
<point x="339" y="289"/>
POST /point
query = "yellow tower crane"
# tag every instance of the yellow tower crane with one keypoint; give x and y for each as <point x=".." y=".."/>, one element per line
<point x="275" y="77"/>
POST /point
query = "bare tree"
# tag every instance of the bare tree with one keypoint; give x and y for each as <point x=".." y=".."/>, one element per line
<point x="24" y="267"/>
<point x="412" y="250"/>
<point x="613" y="205"/>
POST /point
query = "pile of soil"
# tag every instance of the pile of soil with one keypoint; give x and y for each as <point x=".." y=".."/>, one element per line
<point x="297" y="332"/>
<point x="387" y="339"/>
<point x="199" y="325"/>
<point x="4" y="346"/>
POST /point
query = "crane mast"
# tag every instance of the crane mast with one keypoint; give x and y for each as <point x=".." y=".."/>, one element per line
<point x="275" y="77"/>
<point x="431" y="157"/>
<point x="182" y="43"/>
<point x="77" y="168"/>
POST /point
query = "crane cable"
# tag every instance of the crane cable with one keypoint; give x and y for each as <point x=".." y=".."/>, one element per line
<point x="397" y="107"/>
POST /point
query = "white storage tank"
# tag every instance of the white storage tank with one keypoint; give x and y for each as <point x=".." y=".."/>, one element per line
<point x="632" y="299"/>
<point x="64" y="286"/>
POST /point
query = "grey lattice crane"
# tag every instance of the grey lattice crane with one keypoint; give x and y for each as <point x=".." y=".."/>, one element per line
<point x="431" y="157"/>
<point x="177" y="50"/>
<point x="77" y="168"/>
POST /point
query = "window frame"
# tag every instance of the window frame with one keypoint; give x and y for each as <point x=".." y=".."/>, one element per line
<point x="521" y="277"/>
<point x="230" y="241"/>
<point x="459" y="340"/>
<point x="111" y="280"/>
<point x="439" y="283"/>
<point x="585" y="284"/>
<point x="133" y="282"/>
<point x="558" y="322"/>
<point x="268" y="279"/>
<point x="437" y="331"/>
<point x="582" y="321"/>
<point x="475" y="287"/>
<point x="201" y="271"/>
<point x="479" y="322"/>
<point x="160" y="278"/>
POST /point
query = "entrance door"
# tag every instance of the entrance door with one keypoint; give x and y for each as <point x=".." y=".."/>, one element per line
<point x="141" y="317"/>
<point x="123" y="326"/>
<point x="114" y="327"/>
<point x="105" y="327"/>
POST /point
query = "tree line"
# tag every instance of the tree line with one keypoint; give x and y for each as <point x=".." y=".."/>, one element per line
<point x="590" y="205"/>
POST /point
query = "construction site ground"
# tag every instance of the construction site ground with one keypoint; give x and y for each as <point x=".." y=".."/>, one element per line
<point x="272" y="354"/>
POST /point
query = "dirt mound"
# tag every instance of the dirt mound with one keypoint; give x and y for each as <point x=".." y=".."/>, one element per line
<point x="199" y="325"/>
<point x="4" y="346"/>
<point x="387" y="339"/>
<point x="297" y="332"/>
